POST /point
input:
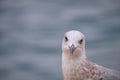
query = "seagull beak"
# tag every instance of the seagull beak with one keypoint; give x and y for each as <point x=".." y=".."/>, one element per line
<point x="72" y="48"/>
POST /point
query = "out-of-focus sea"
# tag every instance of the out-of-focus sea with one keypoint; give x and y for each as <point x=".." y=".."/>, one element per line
<point x="31" y="32"/>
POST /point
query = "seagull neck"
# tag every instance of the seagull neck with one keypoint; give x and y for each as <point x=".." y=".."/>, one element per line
<point x="74" y="58"/>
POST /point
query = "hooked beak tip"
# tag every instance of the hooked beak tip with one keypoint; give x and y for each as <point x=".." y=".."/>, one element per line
<point x="72" y="48"/>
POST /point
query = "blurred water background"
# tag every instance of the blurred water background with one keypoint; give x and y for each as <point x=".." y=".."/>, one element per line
<point x="31" y="32"/>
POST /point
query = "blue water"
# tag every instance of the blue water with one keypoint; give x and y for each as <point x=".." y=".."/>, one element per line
<point x="31" y="32"/>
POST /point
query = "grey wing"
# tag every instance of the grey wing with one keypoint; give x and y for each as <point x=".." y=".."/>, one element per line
<point x="111" y="75"/>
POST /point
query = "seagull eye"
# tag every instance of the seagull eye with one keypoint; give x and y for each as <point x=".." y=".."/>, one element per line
<point x="81" y="41"/>
<point x="66" y="39"/>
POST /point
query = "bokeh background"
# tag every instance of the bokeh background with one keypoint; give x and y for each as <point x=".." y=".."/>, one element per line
<point x="31" y="32"/>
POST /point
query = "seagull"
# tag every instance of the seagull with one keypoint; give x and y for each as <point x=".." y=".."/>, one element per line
<point x="76" y="66"/>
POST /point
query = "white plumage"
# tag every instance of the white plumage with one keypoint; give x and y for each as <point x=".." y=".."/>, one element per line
<point x="75" y="64"/>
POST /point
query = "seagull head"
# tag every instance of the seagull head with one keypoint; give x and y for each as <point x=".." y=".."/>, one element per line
<point x="73" y="44"/>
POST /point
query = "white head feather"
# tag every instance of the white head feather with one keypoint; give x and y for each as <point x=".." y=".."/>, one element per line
<point x="73" y="45"/>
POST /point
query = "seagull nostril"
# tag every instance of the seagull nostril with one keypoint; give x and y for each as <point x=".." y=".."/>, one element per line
<point x="72" y="45"/>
